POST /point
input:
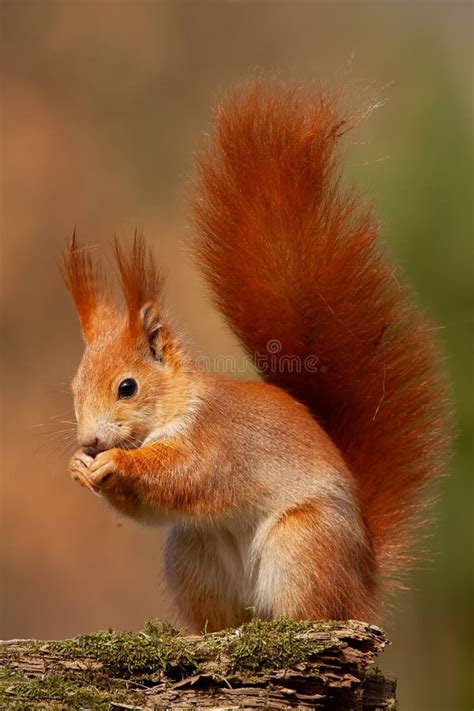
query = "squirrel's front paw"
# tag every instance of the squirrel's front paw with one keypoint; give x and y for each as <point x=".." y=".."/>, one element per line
<point x="103" y="467"/>
<point x="79" y="467"/>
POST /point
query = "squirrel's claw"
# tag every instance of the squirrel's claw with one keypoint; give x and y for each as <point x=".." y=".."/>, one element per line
<point x="79" y="470"/>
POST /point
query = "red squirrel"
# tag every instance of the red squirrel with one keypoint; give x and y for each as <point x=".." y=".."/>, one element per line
<point x="296" y="496"/>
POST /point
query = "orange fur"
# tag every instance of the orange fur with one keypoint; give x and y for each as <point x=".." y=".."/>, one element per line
<point x="339" y="572"/>
<point x="291" y="255"/>
<point x="86" y="283"/>
<point x="141" y="280"/>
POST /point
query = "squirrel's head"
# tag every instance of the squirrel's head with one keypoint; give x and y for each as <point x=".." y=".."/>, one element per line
<point x="130" y="383"/>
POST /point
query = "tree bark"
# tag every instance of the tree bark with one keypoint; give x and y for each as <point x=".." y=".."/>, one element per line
<point x="318" y="665"/>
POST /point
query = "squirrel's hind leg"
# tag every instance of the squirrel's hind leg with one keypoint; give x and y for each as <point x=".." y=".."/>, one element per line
<point x="307" y="566"/>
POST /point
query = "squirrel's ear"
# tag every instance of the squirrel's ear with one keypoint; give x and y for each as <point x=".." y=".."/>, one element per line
<point x="87" y="285"/>
<point x="142" y="282"/>
<point x="154" y="329"/>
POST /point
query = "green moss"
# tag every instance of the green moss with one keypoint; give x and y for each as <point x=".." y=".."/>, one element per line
<point x="55" y="689"/>
<point x="273" y="645"/>
<point x="123" y="654"/>
<point x="61" y="691"/>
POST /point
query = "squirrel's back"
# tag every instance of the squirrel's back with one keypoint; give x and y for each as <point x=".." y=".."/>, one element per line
<point x="298" y="270"/>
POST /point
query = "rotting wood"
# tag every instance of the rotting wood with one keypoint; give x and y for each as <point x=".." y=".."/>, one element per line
<point x="274" y="665"/>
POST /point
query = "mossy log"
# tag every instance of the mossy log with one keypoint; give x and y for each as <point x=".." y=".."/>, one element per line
<point x="265" y="665"/>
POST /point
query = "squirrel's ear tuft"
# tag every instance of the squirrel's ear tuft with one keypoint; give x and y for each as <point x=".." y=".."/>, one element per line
<point x="154" y="329"/>
<point x="86" y="283"/>
<point x="141" y="281"/>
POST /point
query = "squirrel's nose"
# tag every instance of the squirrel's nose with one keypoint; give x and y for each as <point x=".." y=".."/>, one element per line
<point x="92" y="446"/>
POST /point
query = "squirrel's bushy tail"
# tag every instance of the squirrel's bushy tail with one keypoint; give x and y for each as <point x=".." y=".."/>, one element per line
<point x="298" y="270"/>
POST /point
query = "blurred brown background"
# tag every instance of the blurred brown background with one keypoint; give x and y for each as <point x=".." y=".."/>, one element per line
<point x="103" y="105"/>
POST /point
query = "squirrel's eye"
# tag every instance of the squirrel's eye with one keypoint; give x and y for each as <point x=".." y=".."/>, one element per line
<point x="127" y="388"/>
